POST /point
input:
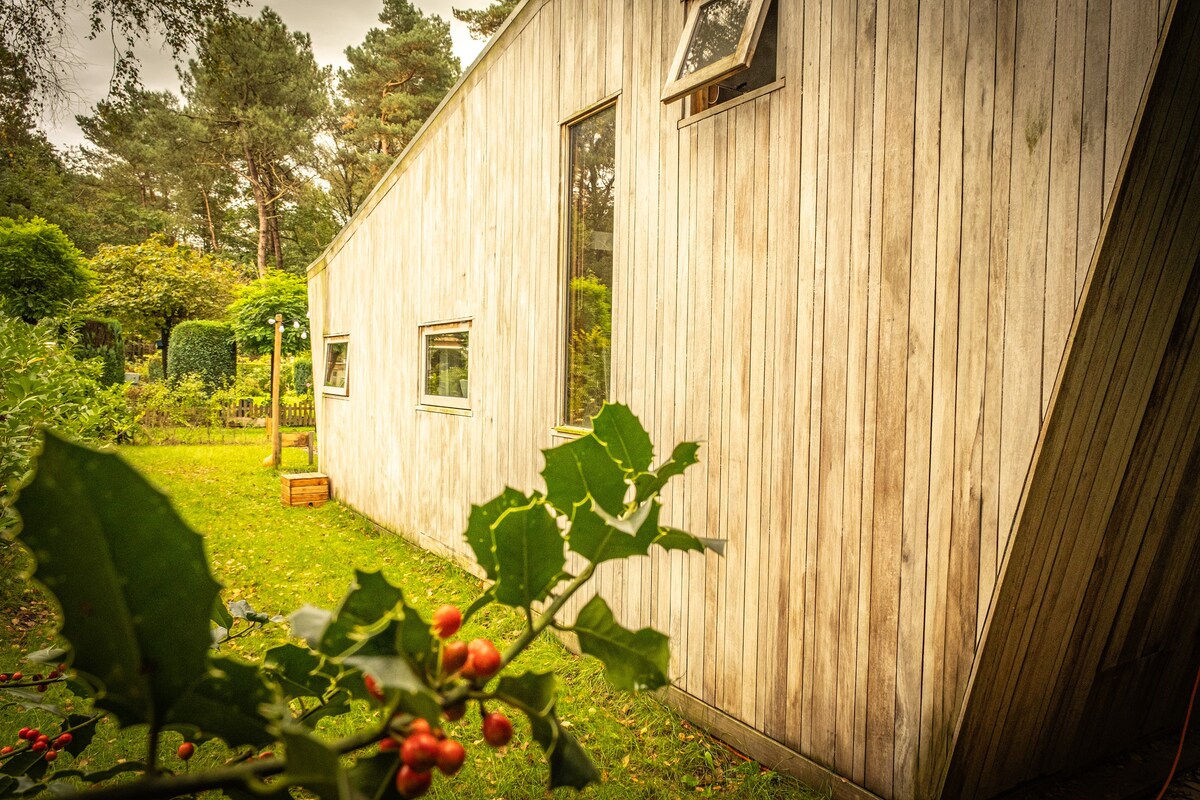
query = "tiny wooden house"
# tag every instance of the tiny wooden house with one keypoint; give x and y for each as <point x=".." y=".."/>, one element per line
<point x="922" y="278"/>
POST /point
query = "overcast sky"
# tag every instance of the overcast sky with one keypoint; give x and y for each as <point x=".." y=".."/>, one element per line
<point x="333" y="26"/>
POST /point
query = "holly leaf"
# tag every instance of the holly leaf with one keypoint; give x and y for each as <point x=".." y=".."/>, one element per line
<point x="597" y="540"/>
<point x="536" y="692"/>
<point x="370" y="599"/>
<point x="315" y="767"/>
<point x="130" y="576"/>
<point x="227" y="703"/>
<point x="581" y="469"/>
<point x="396" y="678"/>
<point x="220" y="615"/>
<point x="675" y="539"/>
<point x="624" y="437"/>
<point x="309" y="623"/>
<point x="651" y="483"/>
<point x="297" y="671"/>
<point x="634" y="661"/>
<point x="374" y="777"/>
<point x="480" y="534"/>
<point x="529" y="555"/>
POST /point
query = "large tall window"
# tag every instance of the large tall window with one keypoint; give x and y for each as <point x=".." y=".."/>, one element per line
<point x="592" y="169"/>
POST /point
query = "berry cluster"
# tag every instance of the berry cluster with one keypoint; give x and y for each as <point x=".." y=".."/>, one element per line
<point x="38" y="742"/>
<point x="39" y="682"/>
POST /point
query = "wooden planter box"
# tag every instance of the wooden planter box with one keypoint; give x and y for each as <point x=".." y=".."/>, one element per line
<point x="304" y="489"/>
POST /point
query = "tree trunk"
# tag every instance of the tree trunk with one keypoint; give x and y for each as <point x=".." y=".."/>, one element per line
<point x="166" y="338"/>
<point x="212" y="231"/>
<point x="260" y="202"/>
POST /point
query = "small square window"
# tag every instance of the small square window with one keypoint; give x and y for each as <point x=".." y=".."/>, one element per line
<point x="720" y="40"/>
<point x="337" y="361"/>
<point x="445" y="374"/>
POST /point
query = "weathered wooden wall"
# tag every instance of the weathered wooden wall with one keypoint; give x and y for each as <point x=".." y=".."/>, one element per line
<point x="1092" y="642"/>
<point x="855" y="289"/>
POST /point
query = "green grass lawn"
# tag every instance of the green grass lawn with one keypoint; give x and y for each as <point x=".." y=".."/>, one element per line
<point x="279" y="558"/>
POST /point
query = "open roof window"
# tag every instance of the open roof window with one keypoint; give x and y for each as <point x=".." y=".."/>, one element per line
<point x="720" y="40"/>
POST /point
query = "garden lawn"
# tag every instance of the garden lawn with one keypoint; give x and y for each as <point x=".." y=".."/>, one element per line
<point x="278" y="559"/>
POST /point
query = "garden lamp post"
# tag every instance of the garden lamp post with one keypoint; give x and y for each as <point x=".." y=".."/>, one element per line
<point x="276" y="427"/>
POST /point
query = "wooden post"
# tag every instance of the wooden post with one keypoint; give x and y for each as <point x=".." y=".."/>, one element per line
<point x="276" y="440"/>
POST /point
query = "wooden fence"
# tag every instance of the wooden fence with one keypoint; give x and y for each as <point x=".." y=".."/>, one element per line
<point x="300" y="415"/>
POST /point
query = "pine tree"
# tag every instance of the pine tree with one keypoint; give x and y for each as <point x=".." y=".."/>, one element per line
<point x="483" y="22"/>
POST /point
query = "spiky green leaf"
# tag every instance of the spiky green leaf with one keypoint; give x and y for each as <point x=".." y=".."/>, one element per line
<point x="529" y="556"/>
<point x="480" y="535"/>
<point x="580" y="471"/>
<point x="535" y="691"/>
<point x="651" y="483"/>
<point x="633" y="661"/>
<point x="624" y="437"/>
<point x="131" y="577"/>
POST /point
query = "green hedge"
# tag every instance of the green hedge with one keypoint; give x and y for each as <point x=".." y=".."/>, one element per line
<point x="102" y="338"/>
<point x="202" y="348"/>
<point x="302" y="376"/>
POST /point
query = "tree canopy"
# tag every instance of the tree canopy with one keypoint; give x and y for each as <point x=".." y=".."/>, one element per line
<point x="397" y="77"/>
<point x="32" y="33"/>
<point x="41" y="271"/>
<point x="483" y="22"/>
<point x="262" y="99"/>
<point x="153" y="286"/>
<point x="274" y="293"/>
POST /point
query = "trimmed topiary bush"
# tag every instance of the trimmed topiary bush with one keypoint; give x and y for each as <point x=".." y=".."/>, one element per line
<point x="302" y="376"/>
<point x="101" y="338"/>
<point x="204" y="348"/>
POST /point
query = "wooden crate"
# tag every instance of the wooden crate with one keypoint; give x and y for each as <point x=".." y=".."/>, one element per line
<point x="304" y="489"/>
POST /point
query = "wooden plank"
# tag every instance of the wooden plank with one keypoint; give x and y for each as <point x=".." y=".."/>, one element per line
<point x="966" y="526"/>
<point x="1066" y="134"/>
<point x="883" y="716"/>
<point x="800" y="606"/>
<point x="873" y="63"/>
<point x="845" y="324"/>
<point x="994" y="524"/>
<point x="939" y="592"/>
<point x="1092" y="195"/>
<point x="1132" y="39"/>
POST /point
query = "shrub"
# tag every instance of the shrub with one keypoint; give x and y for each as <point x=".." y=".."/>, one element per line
<point x="101" y="338"/>
<point x="302" y="376"/>
<point x="42" y="384"/>
<point x="41" y="271"/>
<point x="274" y="293"/>
<point x="203" y="348"/>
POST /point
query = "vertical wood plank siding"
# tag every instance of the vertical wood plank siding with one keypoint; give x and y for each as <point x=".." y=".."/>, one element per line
<point x="854" y="290"/>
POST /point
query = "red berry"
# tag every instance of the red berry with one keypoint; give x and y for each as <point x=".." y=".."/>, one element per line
<point x="42" y="687"/>
<point x="3" y="677"/>
<point x="454" y="656"/>
<point x="185" y="750"/>
<point x="43" y="738"/>
<point x="53" y="674"/>
<point x="32" y="734"/>
<point x="419" y="725"/>
<point x="16" y="676"/>
<point x="23" y="733"/>
<point x="50" y="755"/>
<point x="6" y="750"/>
<point x="485" y="658"/>
<point x="420" y="751"/>
<point x="373" y="688"/>
<point x="62" y="667"/>
<point x="37" y="677"/>
<point x="411" y="782"/>
<point x="497" y="729"/>
<point x="63" y="740"/>
<point x="446" y="621"/>
<point x="455" y="712"/>
<point x="388" y="745"/>
<point x="450" y="756"/>
<point x="39" y="746"/>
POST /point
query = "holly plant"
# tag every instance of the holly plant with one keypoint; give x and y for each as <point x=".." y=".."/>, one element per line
<point x="142" y="621"/>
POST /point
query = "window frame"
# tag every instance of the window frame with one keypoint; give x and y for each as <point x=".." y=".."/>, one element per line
<point x="326" y="389"/>
<point x="563" y="426"/>
<point x="424" y="331"/>
<point x="722" y="68"/>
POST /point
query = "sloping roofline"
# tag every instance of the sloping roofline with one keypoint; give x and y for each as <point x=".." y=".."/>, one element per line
<point x="512" y="27"/>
